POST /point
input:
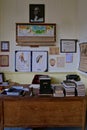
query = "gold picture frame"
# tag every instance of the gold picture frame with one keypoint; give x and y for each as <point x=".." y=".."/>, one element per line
<point x="4" y="60"/>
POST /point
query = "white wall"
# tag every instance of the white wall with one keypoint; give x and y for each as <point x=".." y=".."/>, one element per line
<point x="82" y="20"/>
<point x="61" y="12"/>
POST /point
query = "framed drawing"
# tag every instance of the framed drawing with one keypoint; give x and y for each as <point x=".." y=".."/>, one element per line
<point x="35" y="34"/>
<point x="39" y="61"/>
<point x="37" y="13"/>
<point x="4" y="46"/>
<point x="23" y="61"/>
<point x="4" y="60"/>
<point x="1" y="77"/>
<point x="68" y="46"/>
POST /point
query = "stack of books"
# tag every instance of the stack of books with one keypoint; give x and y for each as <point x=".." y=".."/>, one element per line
<point x="80" y="88"/>
<point x="14" y="91"/>
<point x="58" y="91"/>
<point x="69" y="88"/>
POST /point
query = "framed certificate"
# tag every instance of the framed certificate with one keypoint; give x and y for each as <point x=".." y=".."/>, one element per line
<point x="68" y="45"/>
<point x="4" y="60"/>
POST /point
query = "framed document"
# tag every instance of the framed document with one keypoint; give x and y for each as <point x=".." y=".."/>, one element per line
<point x="4" y="45"/>
<point x="39" y="61"/>
<point x="68" y="46"/>
<point x="4" y="60"/>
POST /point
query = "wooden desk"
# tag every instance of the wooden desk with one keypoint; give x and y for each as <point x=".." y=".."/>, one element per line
<point x="42" y="112"/>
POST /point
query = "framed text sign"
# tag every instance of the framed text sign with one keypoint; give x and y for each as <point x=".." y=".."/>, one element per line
<point x="35" y="34"/>
<point x="68" y="45"/>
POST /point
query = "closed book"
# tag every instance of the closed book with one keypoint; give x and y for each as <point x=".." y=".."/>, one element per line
<point x="45" y="85"/>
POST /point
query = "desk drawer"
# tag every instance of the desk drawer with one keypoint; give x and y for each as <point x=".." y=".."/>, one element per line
<point x="43" y="113"/>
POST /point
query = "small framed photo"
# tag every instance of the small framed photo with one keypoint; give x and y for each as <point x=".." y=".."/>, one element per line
<point x="4" y="45"/>
<point x="4" y="60"/>
<point x="1" y="77"/>
<point x="37" y="13"/>
<point x="68" y="45"/>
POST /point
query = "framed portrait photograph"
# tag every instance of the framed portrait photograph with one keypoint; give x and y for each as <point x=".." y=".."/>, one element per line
<point x="36" y="13"/>
<point x="68" y="45"/>
<point x="4" y="46"/>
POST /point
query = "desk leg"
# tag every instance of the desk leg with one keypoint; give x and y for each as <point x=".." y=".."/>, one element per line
<point x="1" y="128"/>
<point x="84" y="116"/>
<point x="2" y="116"/>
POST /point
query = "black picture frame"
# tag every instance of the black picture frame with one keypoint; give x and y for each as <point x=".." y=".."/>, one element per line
<point x="39" y="61"/>
<point x="68" y="45"/>
<point x="1" y="78"/>
<point x="4" y="46"/>
<point x="40" y="18"/>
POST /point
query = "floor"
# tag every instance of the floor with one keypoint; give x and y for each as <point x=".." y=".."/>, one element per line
<point x="59" y="128"/>
<point x="65" y="128"/>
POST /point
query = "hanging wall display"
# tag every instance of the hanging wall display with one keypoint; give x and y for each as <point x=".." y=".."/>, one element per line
<point x="1" y="77"/>
<point x="31" y="61"/>
<point x="83" y="57"/>
<point x="68" y="45"/>
<point x="36" y="13"/>
<point x="35" y="34"/>
<point x="4" y="60"/>
<point x="23" y="61"/>
<point x="39" y="61"/>
<point x="4" y="46"/>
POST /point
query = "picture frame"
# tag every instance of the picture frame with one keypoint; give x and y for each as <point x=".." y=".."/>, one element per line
<point x="39" y="61"/>
<point x="1" y="78"/>
<point x="4" y="60"/>
<point x="36" y="13"/>
<point x="83" y="57"/>
<point x="23" y="61"/>
<point x="68" y="45"/>
<point x="28" y="34"/>
<point x="4" y="46"/>
<point x="31" y="61"/>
